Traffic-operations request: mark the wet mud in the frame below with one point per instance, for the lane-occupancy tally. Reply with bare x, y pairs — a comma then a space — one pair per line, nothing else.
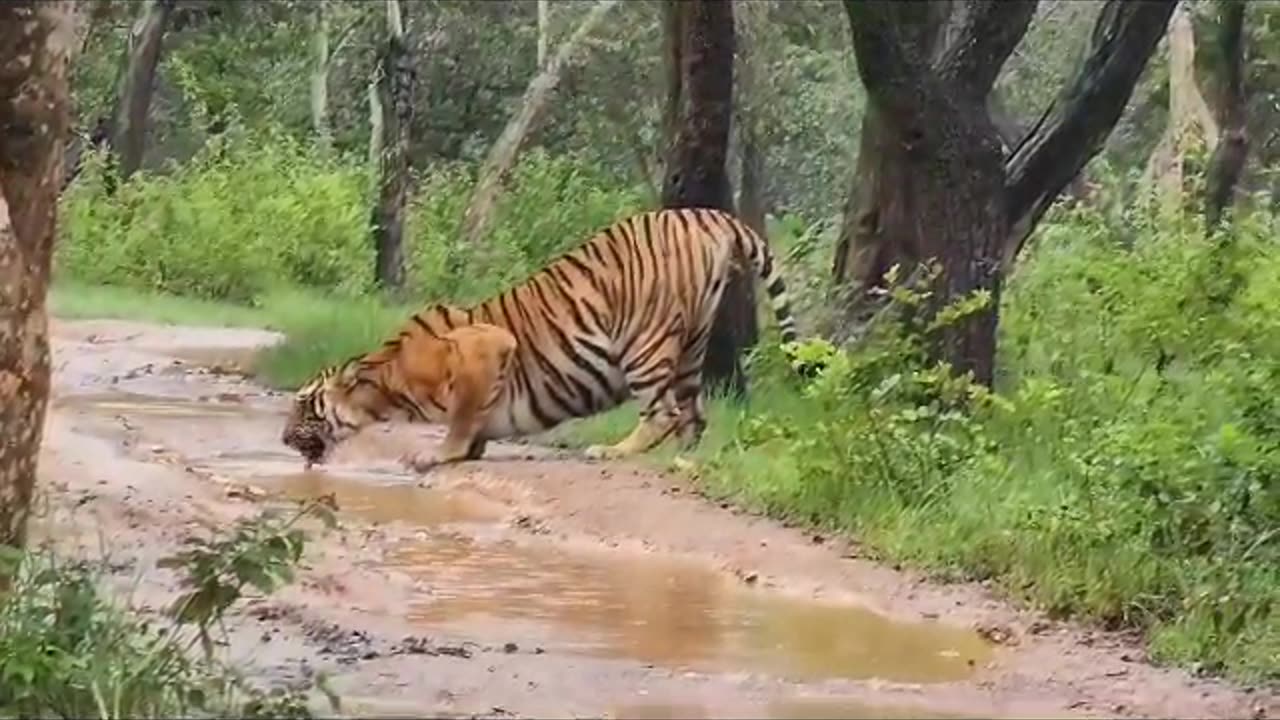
532, 584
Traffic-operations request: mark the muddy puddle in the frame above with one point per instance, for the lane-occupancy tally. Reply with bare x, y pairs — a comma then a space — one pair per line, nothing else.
479, 580
374, 495
660, 611
607, 603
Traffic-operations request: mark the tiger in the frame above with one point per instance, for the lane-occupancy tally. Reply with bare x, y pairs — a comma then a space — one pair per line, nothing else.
626, 314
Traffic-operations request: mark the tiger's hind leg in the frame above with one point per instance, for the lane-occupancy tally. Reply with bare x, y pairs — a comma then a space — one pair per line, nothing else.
688, 389
652, 381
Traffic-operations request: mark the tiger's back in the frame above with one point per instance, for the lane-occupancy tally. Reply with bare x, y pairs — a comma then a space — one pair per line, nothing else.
616, 316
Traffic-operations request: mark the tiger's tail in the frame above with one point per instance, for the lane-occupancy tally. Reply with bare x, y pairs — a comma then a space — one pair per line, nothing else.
756, 250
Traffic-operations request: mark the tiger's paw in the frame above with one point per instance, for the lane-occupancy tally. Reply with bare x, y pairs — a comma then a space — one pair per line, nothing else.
419, 463
602, 452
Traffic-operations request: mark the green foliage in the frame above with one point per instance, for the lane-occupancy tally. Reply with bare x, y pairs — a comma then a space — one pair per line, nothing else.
69, 650
259, 214
239, 220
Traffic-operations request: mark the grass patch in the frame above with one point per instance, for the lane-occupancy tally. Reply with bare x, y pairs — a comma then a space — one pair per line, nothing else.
318, 330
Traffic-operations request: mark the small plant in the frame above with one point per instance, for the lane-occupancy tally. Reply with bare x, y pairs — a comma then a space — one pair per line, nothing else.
68, 650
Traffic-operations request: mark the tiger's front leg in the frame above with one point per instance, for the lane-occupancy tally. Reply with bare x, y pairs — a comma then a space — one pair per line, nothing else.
477, 363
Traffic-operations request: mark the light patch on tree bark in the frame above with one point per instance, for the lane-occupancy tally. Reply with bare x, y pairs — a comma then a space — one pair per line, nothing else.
1190, 120
502, 156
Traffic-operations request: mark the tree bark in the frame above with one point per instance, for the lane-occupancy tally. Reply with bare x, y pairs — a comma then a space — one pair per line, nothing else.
129, 138
544, 30
395, 99
36, 42
697, 175
1228, 159
320, 76
502, 156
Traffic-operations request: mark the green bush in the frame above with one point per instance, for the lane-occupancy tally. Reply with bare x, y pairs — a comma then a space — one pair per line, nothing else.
259, 214
237, 221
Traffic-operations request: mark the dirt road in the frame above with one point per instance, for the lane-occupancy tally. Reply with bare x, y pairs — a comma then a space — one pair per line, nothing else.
531, 584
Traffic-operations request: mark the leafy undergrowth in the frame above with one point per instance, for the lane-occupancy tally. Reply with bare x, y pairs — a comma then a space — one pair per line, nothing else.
69, 649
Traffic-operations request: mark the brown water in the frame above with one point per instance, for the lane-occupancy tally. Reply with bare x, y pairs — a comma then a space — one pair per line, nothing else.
671, 613
377, 497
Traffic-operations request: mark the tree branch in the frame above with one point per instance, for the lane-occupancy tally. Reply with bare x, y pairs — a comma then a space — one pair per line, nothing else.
1071, 131
987, 33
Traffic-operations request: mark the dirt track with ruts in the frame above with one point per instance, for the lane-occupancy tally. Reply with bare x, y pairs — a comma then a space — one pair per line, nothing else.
533, 583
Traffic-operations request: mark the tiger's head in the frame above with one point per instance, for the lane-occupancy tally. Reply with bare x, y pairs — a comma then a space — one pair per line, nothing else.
328, 410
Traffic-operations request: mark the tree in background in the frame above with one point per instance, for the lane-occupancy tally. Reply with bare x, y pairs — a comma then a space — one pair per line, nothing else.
36, 44
133, 101
701, 97
1227, 163
395, 109
502, 155
934, 181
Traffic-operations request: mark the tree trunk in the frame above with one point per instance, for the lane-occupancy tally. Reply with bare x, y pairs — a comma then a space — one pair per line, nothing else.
933, 182
320, 77
134, 100
697, 175
36, 42
1228, 159
1190, 121
751, 18
395, 99
502, 156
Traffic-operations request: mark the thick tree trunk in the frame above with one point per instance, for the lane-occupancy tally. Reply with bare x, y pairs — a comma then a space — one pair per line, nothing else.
320, 76
1228, 159
697, 175
502, 156
36, 41
395, 99
134, 99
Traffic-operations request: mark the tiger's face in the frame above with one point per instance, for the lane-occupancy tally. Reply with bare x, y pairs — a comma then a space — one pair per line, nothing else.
323, 415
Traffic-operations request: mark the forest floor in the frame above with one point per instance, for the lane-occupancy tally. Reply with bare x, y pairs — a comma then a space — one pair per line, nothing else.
533, 583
